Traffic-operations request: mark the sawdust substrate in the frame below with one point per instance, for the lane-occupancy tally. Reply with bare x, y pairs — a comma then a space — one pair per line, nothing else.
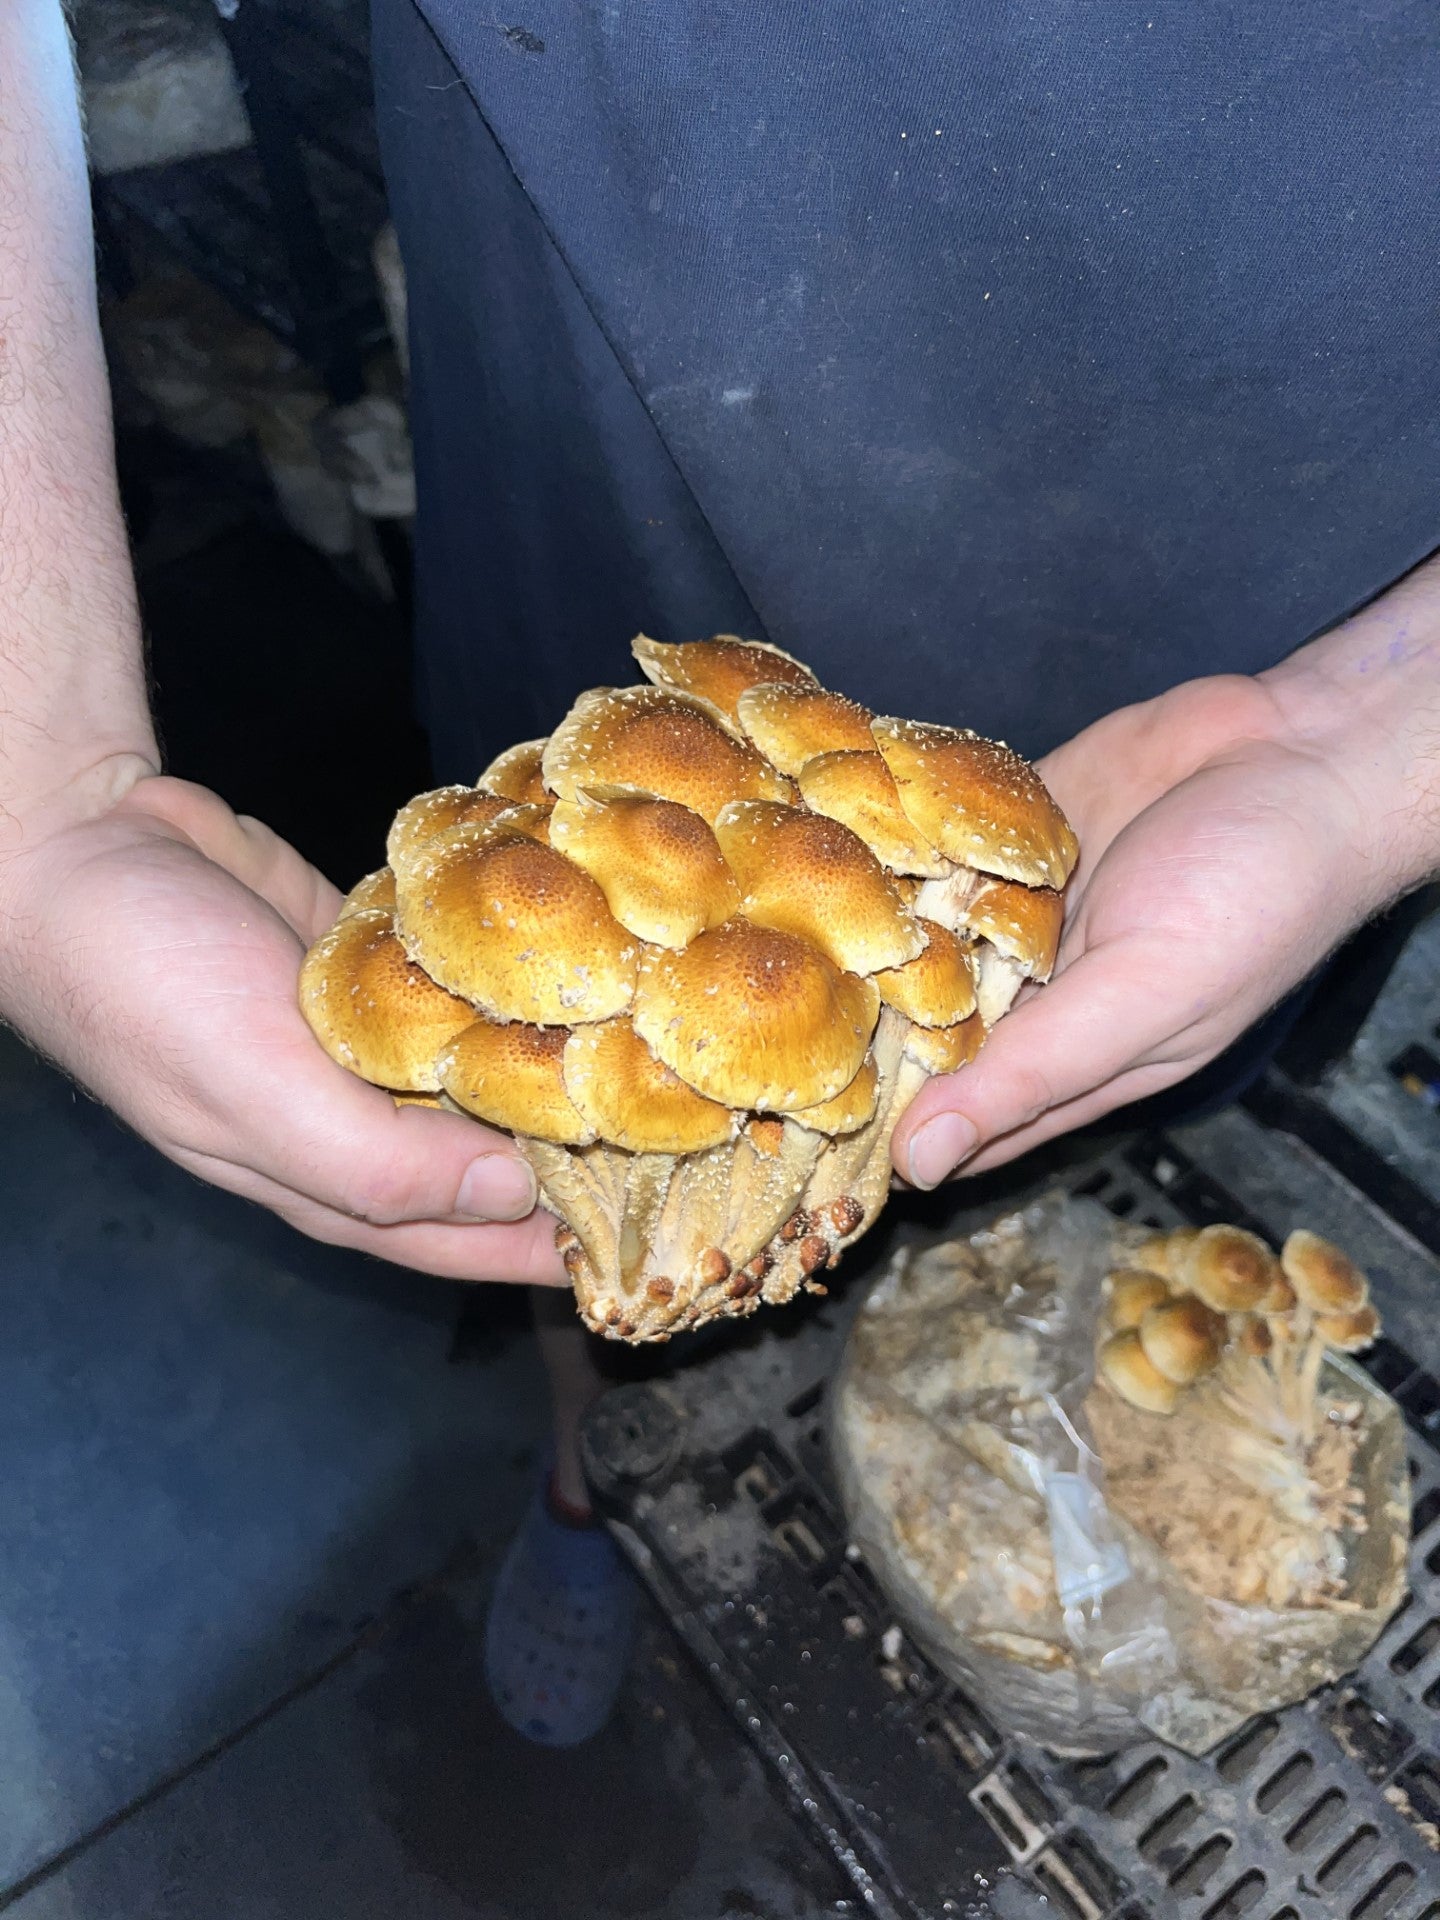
1212, 1528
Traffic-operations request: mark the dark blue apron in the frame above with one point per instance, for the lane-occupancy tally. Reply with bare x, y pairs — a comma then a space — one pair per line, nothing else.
1007, 361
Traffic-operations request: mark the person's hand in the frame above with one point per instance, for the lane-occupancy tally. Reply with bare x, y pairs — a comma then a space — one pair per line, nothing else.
1224, 853
153, 953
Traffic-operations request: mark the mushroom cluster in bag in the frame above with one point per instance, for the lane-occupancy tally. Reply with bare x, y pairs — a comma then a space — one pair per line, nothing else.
698, 951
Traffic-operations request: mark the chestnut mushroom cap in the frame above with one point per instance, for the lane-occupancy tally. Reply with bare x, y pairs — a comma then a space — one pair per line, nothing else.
650, 740
1021, 923
658, 864
513, 1076
718, 671
803, 874
1349, 1332
945, 1049
1324, 1278
375, 890
859, 791
1125, 1368
852, 1107
629, 1097
1129, 1295
1163, 1252
516, 928
1182, 1339
430, 816
755, 1018
937, 987
977, 802
515, 774
372, 1009
792, 725
1230, 1269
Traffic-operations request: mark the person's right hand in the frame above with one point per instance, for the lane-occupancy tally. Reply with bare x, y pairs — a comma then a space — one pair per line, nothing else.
154, 952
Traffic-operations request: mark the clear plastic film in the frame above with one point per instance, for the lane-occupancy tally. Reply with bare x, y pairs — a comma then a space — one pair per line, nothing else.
974, 1485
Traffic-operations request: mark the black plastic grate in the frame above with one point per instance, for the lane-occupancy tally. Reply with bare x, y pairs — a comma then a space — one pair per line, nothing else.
1330, 1808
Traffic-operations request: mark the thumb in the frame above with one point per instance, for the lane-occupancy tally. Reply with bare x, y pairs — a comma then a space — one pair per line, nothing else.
1084, 1031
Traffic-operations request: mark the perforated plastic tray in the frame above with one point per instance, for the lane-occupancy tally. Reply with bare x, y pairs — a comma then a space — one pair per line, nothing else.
719, 1488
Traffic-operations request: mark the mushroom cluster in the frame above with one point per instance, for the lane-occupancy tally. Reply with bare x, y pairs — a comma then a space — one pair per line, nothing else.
698, 950
1195, 1300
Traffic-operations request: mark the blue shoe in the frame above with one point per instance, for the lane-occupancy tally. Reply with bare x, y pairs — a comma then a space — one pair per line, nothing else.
560, 1629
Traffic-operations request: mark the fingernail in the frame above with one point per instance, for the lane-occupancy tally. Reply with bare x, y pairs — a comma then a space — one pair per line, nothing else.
497, 1186
939, 1147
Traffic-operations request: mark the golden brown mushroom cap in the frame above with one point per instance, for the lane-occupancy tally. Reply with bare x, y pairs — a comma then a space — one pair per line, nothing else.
977, 802
852, 1107
793, 724
1023, 923
945, 1049
658, 864
1231, 1270
1130, 1294
1123, 1366
755, 1018
1324, 1278
431, 815
806, 875
513, 1076
516, 928
1163, 1253
1350, 1332
652, 741
376, 890
515, 774
859, 791
937, 987
372, 1010
1182, 1338
629, 1097
718, 670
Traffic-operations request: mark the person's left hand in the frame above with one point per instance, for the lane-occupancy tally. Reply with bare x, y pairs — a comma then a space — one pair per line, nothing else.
1223, 856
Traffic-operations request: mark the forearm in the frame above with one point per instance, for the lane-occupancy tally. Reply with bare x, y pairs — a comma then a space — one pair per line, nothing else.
1365, 698
74, 727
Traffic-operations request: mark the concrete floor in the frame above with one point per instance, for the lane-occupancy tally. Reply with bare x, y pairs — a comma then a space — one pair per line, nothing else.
250, 1508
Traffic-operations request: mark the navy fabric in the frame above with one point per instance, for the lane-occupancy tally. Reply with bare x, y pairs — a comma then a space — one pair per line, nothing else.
1007, 362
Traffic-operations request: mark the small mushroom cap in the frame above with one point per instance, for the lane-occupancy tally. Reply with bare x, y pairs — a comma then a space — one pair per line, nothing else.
852, 1107
373, 1010
515, 774
718, 670
514, 927
945, 1049
755, 1017
513, 1076
1231, 1270
1254, 1337
793, 724
630, 1098
417, 1099
978, 802
1130, 1294
1280, 1298
801, 873
431, 815
859, 791
1163, 1253
1022, 923
669, 745
937, 987
1349, 1332
1182, 1339
1125, 1369
1324, 1278
658, 864
376, 890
